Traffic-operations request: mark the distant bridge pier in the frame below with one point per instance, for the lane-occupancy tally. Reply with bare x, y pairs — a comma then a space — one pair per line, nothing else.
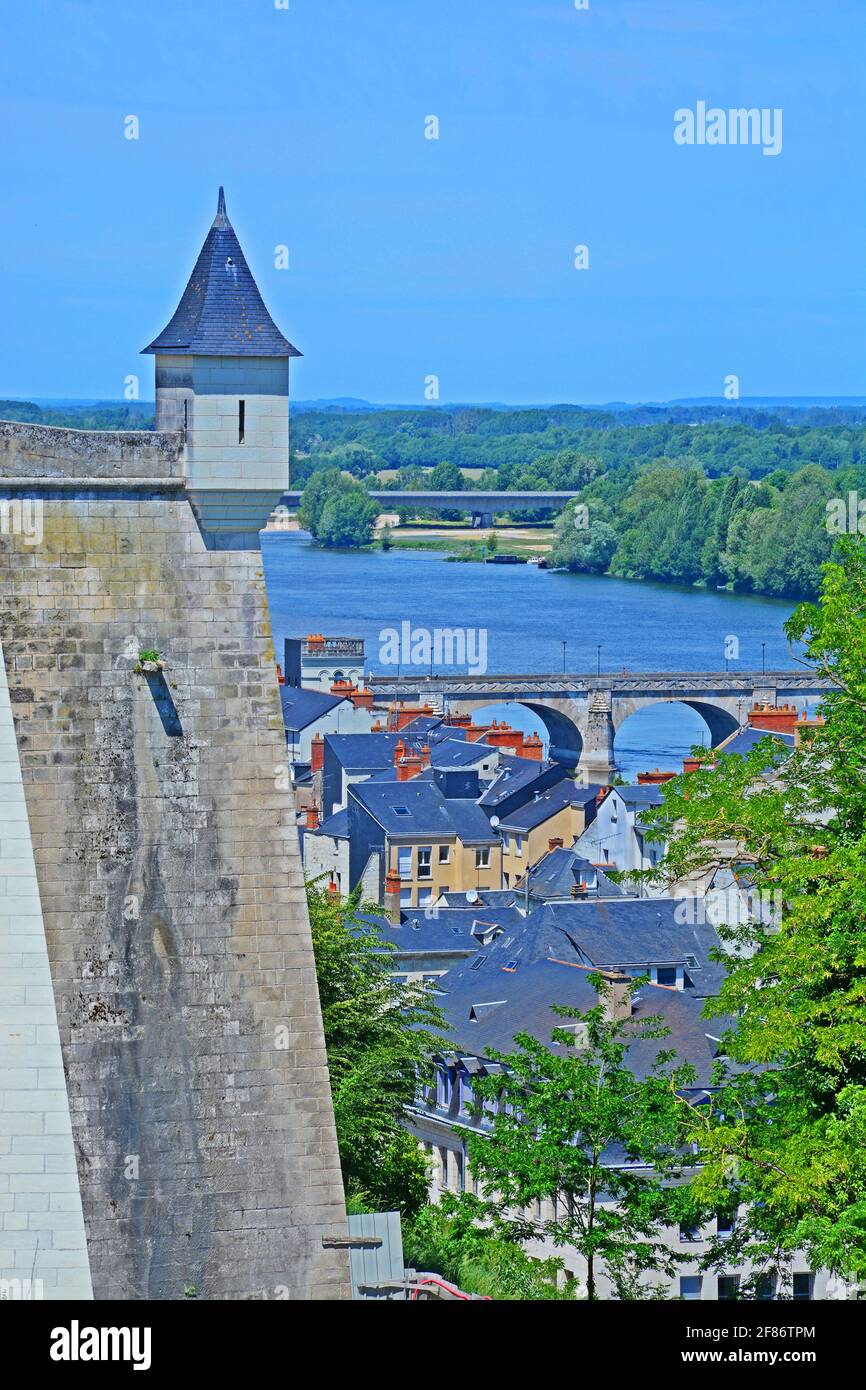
597, 763
482, 520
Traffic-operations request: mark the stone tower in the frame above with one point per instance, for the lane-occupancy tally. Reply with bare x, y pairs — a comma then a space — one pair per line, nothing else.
166, 1123
222, 378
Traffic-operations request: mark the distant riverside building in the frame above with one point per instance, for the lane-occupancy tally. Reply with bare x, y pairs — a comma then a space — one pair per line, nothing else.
222, 379
318, 661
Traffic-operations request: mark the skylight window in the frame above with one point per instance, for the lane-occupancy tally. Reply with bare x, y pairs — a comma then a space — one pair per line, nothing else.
692, 963
401, 810
478, 962
511, 965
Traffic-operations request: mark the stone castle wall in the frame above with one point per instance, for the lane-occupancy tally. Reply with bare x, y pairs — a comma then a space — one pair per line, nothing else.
170, 884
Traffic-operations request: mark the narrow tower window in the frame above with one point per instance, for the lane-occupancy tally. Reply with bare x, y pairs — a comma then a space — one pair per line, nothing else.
241, 414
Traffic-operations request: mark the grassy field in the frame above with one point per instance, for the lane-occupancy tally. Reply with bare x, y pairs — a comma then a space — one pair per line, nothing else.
458, 539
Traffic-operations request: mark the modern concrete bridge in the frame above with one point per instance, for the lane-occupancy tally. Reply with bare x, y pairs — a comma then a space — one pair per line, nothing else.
582, 713
481, 505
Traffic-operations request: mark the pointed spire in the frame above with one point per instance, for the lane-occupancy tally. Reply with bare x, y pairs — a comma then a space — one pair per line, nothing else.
221, 313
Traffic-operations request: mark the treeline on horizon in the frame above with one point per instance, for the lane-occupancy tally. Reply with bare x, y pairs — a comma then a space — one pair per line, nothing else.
521, 447
99, 415
722, 496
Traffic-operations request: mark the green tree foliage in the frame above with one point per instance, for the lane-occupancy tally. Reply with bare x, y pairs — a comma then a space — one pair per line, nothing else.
378, 1042
693, 495
337, 510
582, 550
451, 1239
566, 1110
785, 1135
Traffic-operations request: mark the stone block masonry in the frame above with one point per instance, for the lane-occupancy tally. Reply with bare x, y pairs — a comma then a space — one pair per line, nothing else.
43, 1251
172, 897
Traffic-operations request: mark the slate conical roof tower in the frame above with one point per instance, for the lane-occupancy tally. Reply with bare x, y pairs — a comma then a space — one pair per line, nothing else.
222, 378
221, 312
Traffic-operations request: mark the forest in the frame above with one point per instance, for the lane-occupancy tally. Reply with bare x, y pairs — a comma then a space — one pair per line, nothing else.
723, 496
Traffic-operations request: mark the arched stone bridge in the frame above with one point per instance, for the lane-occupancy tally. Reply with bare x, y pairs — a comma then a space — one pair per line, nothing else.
583, 712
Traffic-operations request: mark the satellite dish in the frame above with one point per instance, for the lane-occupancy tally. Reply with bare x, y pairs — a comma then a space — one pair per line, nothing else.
472, 896
494, 822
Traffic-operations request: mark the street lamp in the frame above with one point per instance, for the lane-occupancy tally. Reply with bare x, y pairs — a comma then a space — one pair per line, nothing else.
598, 660
763, 658
564, 645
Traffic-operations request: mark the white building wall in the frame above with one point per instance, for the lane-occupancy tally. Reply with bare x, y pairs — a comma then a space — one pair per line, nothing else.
43, 1248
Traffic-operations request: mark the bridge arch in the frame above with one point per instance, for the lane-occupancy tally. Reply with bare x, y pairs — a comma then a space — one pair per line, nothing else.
564, 735
566, 740
721, 718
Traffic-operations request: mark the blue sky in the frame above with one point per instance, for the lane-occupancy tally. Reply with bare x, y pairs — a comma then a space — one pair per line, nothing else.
452, 257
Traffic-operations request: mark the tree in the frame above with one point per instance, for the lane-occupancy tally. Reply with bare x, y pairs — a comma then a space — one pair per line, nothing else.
449, 1238
783, 1140
583, 551
337, 510
348, 519
562, 1113
378, 1041
446, 477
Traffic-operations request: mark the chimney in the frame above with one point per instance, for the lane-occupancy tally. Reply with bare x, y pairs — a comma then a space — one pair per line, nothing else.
773, 719
409, 766
362, 698
532, 748
317, 753
555, 843
312, 818
690, 765
654, 778
425, 756
503, 736
392, 897
399, 752
616, 995
343, 687
281, 680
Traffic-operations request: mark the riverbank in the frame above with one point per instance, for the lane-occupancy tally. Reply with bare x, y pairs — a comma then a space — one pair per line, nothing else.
473, 544
535, 621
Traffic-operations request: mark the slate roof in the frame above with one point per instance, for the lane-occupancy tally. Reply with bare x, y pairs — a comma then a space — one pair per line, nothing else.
452, 753
484, 1012
447, 929
515, 774
484, 898
556, 874
221, 313
336, 825
302, 707
637, 797
638, 932
745, 739
428, 811
548, 803
363, 752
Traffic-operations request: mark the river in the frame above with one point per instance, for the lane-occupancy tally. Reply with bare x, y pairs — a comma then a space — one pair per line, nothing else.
527, 614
